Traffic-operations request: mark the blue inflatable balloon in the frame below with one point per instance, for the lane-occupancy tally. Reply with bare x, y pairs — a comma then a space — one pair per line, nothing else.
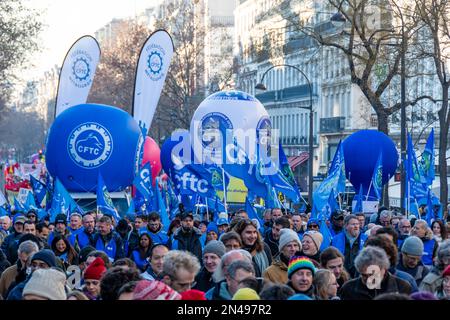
361, 151
181, 140
89, 138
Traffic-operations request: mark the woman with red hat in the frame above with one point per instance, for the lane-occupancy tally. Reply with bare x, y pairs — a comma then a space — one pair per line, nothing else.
92, 276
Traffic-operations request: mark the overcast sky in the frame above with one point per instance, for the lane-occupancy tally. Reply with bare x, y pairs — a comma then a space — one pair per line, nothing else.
67, 20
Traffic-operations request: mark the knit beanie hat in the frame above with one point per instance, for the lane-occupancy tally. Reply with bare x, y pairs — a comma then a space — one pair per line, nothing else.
299, 296
193, 295
216, 247
61, 218
82, 257
413, 246
154, 290
45, 255
246, 294
316, 237
446, 271
286, 236
47, 283
95, 270
297, 263
423, 295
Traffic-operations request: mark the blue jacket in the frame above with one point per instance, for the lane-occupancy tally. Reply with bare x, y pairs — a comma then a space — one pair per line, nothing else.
82, 239
112, 245
140, 263
429, 247
159, 237
339, 241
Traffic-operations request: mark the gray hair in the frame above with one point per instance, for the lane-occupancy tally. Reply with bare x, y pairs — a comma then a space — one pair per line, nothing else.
443, 253
371, 256
240, 264
219, 273
386, 214
28, 247
174, 260
348, 218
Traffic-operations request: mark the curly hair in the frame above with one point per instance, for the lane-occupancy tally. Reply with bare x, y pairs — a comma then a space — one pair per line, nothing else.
113, 280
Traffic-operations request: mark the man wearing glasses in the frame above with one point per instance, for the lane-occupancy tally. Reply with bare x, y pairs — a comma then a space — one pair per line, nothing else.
411, 259
350, 242
404, 229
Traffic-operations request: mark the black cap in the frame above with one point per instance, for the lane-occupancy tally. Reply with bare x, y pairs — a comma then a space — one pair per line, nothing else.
61, 218
337, 214
184, 215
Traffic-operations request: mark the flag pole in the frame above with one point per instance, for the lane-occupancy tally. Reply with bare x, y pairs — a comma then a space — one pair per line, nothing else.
207, 211
224, 191
370, 185
348, 194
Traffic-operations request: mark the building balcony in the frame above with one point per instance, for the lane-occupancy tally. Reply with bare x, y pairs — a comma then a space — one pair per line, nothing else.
332, 125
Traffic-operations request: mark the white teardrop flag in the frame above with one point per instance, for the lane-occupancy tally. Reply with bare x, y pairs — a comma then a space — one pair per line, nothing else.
77, 73
153, 65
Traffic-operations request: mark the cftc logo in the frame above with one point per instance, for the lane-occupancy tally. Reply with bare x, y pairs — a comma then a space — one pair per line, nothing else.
81, 69
187, 181
90, 145
155, 62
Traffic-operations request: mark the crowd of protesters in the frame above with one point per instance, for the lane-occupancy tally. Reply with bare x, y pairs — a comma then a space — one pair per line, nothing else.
379, 256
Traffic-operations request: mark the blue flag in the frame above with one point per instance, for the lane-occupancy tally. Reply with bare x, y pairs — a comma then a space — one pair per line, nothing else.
252, 214
427, 161
3, 212
29, 202
323, 229
39, 189
243, 169
104, 202
416, 180
359, 201
18, 205
162, 207
377, 177
131, 209
430, 212
143, 181
62, 202
287, 172
335, 180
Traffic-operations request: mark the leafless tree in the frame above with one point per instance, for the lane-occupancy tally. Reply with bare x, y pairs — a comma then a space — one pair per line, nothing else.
435, 14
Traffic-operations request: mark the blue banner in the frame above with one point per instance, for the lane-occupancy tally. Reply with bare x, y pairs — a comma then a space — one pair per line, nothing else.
334, 181
39, 189
62, 202
377, 177
104, 202
143, 182
427, 161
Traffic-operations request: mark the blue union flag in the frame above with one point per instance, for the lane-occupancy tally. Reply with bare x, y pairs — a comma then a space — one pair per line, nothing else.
377, 177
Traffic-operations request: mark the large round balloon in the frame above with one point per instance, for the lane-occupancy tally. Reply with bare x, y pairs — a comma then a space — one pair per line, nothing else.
176, 147
152, 155
232, 112
361, 152
91, 138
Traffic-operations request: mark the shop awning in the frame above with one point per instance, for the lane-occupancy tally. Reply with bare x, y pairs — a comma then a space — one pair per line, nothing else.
298, 160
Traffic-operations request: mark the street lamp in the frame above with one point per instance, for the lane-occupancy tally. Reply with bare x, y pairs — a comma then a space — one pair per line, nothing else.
261, 86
